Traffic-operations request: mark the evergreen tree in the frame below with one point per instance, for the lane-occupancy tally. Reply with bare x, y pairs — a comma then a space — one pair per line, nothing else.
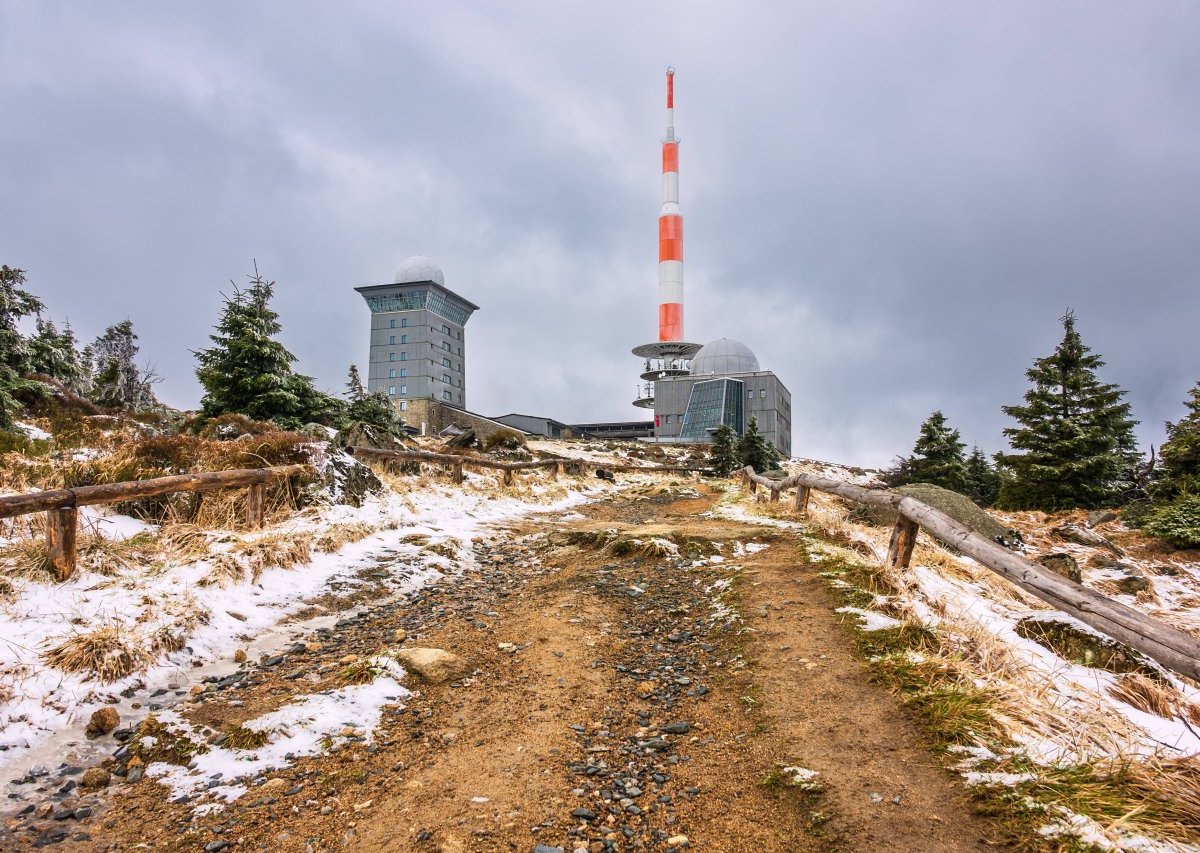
55, 354
15, 303
1075, 432
118, 382
370, 409
938, 456
1179, 467
753, 449
721, 455
354, 386
249, 372
983, 483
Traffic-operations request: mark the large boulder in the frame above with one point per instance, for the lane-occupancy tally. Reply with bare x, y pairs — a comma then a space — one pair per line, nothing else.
341, 479
435, 666
1074, 641
959, 507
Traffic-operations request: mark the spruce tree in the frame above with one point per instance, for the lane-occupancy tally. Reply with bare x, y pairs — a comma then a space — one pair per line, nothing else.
753, 449
938, 456
55, 354
249, 372
1075, 435
983, 483
15, 303
1179, 456
373, 410
721, 456
118, 382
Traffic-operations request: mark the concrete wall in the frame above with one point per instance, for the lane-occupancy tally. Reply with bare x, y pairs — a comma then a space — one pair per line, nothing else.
435, 416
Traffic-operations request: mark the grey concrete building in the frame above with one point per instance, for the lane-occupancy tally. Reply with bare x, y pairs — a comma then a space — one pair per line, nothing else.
418, 346
724, 385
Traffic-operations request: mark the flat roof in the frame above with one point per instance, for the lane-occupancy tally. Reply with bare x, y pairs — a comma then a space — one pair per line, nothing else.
371, 289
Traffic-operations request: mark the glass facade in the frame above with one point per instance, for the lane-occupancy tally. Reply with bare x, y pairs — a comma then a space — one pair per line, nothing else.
712, 403
418, 299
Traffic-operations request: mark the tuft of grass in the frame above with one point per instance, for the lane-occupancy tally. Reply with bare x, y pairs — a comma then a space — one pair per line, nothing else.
1154, 697
359, 672
340, 535
105, 654
224, 570
164, 641
240, 737
183, 542
276, 551
26, 559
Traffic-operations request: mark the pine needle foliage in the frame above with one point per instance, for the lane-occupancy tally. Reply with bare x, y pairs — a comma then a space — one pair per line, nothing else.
937, 456
722, 456
248, 371
753, 450
1179, 471
1075, 444
983, 483
15, 302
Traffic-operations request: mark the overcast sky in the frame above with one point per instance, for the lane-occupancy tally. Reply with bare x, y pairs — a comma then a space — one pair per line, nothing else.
891, 203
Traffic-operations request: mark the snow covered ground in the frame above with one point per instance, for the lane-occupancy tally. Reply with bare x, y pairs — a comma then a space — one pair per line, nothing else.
413, 533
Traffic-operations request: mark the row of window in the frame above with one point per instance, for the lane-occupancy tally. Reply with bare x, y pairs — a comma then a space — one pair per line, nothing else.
404, 325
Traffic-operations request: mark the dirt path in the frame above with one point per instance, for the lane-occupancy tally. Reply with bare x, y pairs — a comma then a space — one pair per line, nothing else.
617, 703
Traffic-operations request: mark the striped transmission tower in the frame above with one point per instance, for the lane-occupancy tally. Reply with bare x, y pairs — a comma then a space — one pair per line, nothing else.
669, 355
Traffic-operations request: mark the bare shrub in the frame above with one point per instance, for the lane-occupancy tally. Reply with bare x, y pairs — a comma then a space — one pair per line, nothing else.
106, 654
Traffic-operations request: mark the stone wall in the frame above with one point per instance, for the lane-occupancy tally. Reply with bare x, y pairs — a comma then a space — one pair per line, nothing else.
433, 416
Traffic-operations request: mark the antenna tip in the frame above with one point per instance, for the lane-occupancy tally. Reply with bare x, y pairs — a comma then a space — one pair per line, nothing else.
670, 71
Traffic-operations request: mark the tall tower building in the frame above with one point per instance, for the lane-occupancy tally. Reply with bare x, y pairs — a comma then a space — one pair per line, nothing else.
669, 355
418, 346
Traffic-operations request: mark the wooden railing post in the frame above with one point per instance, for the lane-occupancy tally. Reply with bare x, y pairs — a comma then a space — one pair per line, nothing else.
803, 493
508, 477
60, 541
904, 539
774, 494
457, 472
255, 503
559, 470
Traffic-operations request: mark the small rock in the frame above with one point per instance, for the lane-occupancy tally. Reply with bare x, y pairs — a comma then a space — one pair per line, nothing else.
677, 841
400, 635
1062, 564
94, 779
363, 806
274, 784
680, 728
1100, 516
236, 615
103, 721
239, 656
433, 665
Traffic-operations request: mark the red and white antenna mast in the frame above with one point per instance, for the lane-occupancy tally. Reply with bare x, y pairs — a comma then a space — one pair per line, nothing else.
669, 356
670, 231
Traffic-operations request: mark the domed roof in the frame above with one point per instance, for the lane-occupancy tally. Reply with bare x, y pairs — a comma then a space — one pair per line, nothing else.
419, 268
722, 356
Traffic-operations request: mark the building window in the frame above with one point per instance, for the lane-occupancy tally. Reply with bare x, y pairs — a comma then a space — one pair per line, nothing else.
460, 336
460, 383
460, 352
403, 390
393, 340
762, 393
392, 373
391, 390
445, 362
403, 372
404, 339
460, 367
445, 330
446, 378
446, 346
392, 324
404, 405
391, 356
403, 322
404, 356
446, 395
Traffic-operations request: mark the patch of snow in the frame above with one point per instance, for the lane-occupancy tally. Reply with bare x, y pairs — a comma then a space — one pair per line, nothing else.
33, 432
869, 620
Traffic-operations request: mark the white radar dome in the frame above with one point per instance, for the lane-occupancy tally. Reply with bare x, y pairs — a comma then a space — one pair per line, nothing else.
419, 268
722, 356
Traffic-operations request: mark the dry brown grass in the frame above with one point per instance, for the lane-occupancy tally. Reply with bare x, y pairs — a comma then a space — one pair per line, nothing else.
224, 570
26, 559
1154, 697
182, 542
240, 737
106, 654
165, 640
276, 551
340, 535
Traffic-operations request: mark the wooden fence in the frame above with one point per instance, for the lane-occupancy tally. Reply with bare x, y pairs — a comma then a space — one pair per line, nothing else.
62, 514
456, 463
1174, 649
